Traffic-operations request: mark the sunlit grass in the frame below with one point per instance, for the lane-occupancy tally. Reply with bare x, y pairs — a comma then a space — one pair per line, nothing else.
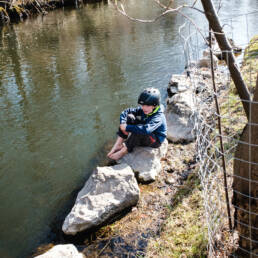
184, 233
249, 67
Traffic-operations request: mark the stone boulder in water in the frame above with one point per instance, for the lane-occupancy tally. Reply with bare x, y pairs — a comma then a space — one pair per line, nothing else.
109, 190
145, 161
62, 251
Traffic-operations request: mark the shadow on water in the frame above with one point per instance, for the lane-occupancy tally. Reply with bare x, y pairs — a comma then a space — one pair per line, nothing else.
56, 235
106, 245
113, 245
64, 78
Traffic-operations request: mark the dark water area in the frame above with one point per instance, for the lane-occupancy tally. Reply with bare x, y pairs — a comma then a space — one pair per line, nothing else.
64, 79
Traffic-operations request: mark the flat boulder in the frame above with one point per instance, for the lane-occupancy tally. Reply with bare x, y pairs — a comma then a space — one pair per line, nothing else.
145, 161
108, 191
62, 251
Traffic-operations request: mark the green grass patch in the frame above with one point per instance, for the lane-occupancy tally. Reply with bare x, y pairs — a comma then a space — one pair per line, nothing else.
251, 51
234, 118
249, 67
184, 232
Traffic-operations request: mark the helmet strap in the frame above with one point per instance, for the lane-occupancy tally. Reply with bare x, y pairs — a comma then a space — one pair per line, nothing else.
154, 111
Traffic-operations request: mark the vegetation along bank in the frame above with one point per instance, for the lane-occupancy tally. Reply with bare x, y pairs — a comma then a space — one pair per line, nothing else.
14, 11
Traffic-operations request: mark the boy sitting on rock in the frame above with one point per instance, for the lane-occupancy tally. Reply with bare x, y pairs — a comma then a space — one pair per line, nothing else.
146, 124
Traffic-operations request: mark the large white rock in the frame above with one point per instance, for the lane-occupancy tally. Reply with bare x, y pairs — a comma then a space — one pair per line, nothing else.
178, 83
62, 251
181, 110
180, 117
108, 190
145, 161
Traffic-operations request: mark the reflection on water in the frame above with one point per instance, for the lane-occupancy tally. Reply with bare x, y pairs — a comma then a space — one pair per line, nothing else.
64, 79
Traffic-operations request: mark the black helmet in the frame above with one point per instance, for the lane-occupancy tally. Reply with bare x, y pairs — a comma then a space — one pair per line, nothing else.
150, 97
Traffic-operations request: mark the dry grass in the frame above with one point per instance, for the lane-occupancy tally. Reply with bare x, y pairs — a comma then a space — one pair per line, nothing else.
249, 67
18, 10
184, 233
162, 207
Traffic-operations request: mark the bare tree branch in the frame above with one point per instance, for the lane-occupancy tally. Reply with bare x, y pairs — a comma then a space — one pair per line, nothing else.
194, 3
170, 3
167, 11
162, 5
122, 11
195, 25
220, 5
166, 7
195, 7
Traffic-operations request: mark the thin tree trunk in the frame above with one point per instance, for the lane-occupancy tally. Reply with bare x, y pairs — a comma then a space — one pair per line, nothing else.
227, 53
245, 184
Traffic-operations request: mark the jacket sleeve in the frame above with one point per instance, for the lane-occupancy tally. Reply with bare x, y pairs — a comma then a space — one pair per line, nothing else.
148, 128
134, 111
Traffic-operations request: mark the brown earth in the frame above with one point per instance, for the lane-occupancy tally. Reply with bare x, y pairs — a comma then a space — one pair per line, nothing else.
128, 236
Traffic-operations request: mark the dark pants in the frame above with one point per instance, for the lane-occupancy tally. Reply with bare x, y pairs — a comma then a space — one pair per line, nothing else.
138, 139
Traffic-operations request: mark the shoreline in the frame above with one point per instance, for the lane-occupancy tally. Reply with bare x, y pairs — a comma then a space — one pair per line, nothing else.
135, 227
16, 12
132, 230
143, 230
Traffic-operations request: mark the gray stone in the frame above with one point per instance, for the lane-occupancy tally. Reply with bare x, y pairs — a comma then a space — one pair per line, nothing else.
178, 83
180, 113
145, 161
206, 62
109, 190
206, 74
170, 180
62, 251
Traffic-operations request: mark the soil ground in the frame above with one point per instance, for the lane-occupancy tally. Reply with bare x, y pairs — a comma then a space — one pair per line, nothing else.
130, 234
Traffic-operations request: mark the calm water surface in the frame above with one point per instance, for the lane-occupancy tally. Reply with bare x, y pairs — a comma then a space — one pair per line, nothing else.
64, 80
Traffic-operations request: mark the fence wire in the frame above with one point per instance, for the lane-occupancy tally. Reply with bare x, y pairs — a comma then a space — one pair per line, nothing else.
229, 195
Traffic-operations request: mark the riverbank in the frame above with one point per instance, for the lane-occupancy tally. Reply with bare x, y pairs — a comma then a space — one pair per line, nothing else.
169, 219
15, 11
180, 223
65, 76
135, 233
53, 133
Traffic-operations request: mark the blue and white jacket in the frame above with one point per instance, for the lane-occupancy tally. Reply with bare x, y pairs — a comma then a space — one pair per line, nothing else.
151, 124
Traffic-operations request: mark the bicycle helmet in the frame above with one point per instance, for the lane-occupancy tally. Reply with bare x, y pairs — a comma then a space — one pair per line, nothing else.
150, 97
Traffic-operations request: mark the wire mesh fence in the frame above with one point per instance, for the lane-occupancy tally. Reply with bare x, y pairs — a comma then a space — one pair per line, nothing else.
226, 140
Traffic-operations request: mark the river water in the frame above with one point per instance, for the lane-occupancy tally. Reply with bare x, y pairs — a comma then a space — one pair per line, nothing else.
64, 79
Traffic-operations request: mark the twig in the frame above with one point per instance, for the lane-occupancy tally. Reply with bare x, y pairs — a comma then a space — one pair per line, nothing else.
176, 10
167, 7
220, 5
101, 251
191, 20
122, 11
194, 3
